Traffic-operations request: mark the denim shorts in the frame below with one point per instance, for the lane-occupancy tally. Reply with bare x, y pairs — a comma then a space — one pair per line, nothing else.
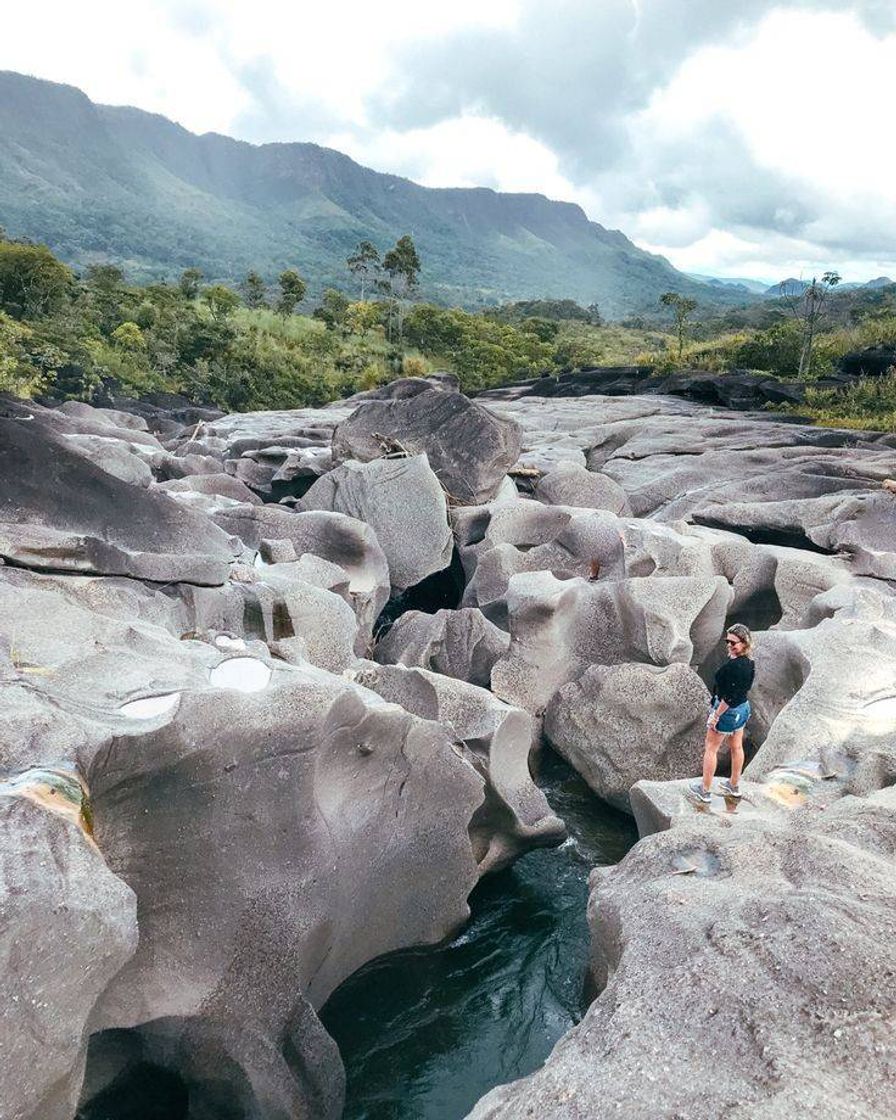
732, 719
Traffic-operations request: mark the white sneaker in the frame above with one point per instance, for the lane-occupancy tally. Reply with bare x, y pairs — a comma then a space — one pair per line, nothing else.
729, 790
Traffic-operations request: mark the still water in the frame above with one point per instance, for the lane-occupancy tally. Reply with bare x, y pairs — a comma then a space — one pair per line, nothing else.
425, 1034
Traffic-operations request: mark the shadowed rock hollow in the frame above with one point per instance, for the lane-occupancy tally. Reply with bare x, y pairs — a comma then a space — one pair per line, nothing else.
226, 788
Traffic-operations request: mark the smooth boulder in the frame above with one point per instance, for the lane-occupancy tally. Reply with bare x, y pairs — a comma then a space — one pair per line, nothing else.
619, 724
402, 502
469, 448
461, 644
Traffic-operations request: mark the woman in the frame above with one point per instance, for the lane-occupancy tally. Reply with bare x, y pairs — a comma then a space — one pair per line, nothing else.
729, 714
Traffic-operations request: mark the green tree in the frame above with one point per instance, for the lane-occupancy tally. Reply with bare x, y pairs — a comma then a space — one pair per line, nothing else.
544, 329
365, 264
109, 301
18, 375
255, 291
682, 308
360, 317
32, 282
129, 336
808, 306
292, 292
333, 308
402, 265
221, 302
190, 279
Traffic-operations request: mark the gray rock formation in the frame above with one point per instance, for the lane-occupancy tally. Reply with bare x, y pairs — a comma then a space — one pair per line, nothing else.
530, 537
342, 540
618, 724
402, 501
744, 970
462, 644
215, 485
468, 446
842, 710
238, 916
515, 814
558, 628
196, 658
68, 925
570, 485
58, 510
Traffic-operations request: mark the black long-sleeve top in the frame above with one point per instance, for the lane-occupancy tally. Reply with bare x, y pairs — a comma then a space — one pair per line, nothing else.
733, 681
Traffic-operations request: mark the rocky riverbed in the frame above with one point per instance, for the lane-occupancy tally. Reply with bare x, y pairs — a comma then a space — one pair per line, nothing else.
226, 784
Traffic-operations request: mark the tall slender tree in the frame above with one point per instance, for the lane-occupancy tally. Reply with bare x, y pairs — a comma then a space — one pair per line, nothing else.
254, 289
682, 308
402, 265
807, 304
292, 292
190, 279
365, 264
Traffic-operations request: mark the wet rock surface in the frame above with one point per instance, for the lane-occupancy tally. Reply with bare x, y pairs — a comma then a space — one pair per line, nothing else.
274, 686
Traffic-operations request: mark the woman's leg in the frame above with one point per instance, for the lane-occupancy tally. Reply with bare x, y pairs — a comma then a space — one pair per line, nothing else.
736, 745
710, 753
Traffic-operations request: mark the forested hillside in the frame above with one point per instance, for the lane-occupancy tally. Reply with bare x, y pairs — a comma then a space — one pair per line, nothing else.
101, 184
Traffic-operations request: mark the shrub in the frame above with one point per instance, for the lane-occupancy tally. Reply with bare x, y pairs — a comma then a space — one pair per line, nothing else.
17, 374
412, 365
869, 402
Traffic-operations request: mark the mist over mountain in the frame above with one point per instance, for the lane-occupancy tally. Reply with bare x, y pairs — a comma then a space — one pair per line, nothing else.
106, 183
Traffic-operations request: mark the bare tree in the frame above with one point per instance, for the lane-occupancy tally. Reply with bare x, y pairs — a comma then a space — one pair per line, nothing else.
807, 304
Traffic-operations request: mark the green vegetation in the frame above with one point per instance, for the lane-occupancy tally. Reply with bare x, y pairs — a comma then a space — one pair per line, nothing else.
869, 402
96, 335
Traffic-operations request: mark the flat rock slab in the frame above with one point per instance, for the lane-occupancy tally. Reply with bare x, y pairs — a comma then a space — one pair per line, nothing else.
58, 510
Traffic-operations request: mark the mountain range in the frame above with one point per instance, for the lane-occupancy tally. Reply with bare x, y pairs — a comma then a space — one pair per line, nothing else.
100, 183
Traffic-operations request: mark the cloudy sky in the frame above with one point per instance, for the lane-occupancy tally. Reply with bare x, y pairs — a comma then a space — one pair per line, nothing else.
737, 137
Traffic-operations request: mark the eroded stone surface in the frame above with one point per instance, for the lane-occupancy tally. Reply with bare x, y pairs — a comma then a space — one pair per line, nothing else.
279, 838
558, 628
500, 739
745, 972
68, 925
402, 501
461, 644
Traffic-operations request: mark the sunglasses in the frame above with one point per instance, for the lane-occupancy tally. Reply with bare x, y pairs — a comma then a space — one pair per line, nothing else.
732, 641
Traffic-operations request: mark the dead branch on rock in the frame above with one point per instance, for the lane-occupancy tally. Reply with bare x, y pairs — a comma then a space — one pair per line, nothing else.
392, 448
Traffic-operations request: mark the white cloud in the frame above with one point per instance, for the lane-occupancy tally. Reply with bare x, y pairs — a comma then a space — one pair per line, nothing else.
124, 56
804, 101
466, 151
195, 60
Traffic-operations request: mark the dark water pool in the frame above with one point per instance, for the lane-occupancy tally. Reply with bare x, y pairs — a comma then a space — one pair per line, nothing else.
425, 1034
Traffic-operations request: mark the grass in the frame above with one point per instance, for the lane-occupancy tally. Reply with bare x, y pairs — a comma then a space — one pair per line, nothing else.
869, 404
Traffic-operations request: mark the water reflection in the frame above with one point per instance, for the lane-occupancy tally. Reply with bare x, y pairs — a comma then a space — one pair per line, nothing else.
424, 1034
